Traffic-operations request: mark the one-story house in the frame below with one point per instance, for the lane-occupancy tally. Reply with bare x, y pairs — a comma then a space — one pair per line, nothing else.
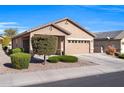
72, 38
113, 38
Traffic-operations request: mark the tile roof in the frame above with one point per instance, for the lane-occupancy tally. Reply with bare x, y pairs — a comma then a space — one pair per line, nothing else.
54, 24
111, 34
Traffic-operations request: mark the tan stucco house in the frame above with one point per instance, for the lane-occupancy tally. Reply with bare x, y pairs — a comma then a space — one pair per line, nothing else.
72, 38
114, 38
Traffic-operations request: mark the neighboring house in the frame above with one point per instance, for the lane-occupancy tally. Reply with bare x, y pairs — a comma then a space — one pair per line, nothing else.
72, 38
113, 38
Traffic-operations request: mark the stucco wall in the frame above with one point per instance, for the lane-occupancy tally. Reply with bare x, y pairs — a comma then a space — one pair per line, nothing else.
76, 48
18, 42
122, 45
76, 32
46, 31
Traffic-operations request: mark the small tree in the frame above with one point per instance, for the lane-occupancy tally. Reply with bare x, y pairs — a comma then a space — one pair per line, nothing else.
44, 45
110, 50
5, 42
10, 32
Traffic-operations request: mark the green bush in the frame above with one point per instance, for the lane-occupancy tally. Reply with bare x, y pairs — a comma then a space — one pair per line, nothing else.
121, 56
53, 59
20, 60
44, 45
68, 58
16, 50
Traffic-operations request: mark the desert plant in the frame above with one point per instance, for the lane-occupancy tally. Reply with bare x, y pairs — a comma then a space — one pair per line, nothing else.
121, 56
20, 60
16, 50
66, 58
44, 45
10, 32
110, 50
53, 59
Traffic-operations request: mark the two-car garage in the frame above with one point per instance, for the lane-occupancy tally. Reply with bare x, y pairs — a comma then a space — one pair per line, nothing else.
78, 46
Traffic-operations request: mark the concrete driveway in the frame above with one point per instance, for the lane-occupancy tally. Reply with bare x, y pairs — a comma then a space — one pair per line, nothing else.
104, 60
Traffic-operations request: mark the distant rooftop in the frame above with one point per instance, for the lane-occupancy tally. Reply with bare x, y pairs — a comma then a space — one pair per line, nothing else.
111, 34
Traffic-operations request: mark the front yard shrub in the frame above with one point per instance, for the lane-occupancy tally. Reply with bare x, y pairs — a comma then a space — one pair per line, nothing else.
121, 56
20, 60
53, 59
67, 58
110, 50
16, 50
44, 45
64, 58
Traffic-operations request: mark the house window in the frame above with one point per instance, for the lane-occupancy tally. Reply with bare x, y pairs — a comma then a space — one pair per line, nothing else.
87, 41
79, 41
72, 41
75, 41
69, 41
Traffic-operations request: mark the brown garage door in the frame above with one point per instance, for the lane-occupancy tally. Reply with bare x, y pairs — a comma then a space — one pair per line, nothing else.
78, 47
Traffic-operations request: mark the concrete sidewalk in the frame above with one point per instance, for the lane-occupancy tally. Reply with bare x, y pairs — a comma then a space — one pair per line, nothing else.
29, 78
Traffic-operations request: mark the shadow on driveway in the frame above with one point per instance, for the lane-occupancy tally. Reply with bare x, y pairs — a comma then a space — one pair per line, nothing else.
105, 80
36, 60
9, 65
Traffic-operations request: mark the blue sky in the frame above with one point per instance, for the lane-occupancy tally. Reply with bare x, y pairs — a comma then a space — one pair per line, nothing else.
93, 18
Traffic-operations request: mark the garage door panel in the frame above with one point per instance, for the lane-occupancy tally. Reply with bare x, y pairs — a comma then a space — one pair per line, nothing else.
78, 48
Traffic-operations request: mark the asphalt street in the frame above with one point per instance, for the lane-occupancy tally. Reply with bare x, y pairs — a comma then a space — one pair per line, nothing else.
105, 80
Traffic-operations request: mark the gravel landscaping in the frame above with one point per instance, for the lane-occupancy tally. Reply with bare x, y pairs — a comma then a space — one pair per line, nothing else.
38, 66
6, 67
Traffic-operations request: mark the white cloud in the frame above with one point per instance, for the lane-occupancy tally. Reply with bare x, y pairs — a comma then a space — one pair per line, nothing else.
8, 23
113, 9
5, 24
14, 25
1, 31
105, 8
